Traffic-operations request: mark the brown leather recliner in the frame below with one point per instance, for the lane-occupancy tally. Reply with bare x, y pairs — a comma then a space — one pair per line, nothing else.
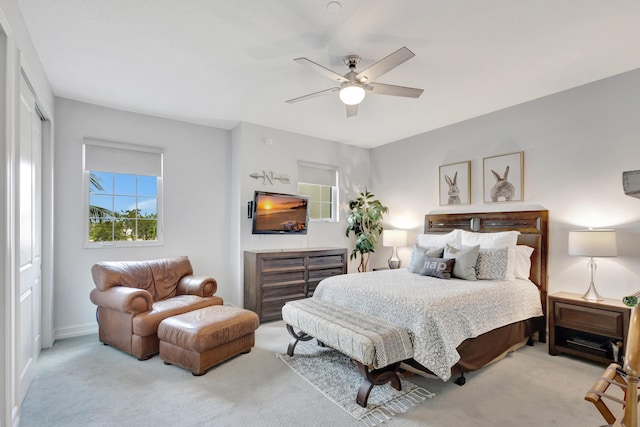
133, 297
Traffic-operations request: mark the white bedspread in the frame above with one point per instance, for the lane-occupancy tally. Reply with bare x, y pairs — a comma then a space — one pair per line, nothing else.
439, 314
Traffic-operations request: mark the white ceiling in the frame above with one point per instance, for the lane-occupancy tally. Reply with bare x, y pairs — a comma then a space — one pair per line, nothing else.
220, 62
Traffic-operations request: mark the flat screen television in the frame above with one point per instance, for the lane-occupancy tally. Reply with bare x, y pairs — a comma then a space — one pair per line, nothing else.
277, 213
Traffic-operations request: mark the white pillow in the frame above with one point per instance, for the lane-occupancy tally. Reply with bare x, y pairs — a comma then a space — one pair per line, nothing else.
490, 240
498, 239
433, 240
523, 261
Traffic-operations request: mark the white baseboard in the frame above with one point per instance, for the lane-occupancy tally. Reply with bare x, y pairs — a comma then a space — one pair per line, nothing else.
76, 331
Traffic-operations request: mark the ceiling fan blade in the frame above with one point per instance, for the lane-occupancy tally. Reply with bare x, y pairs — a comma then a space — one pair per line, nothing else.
322, 70
352, 110
386, 64
382, 89
313, 95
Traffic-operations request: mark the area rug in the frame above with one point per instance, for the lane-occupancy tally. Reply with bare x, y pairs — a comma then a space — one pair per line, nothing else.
337, 378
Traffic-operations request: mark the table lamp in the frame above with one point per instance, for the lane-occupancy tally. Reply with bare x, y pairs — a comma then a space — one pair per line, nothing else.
592, 243
394, 238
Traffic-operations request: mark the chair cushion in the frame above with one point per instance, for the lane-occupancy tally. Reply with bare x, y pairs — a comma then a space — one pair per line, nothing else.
146, 323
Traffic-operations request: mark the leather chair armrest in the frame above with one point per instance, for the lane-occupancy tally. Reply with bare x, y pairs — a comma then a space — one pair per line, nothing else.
121, 298
197, 285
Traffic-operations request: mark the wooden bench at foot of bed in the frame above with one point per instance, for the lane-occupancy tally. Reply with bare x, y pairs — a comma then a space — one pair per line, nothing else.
376, 346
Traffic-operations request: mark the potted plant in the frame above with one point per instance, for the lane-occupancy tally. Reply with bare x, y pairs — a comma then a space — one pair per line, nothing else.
365, 220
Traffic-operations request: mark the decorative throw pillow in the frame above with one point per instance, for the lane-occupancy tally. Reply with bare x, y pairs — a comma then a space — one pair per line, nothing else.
438, 267
418, 255
497, 239
492, 263
466, 258
523, 262
511, 263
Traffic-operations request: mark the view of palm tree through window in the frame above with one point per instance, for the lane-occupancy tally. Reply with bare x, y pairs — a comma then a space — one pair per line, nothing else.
122, 207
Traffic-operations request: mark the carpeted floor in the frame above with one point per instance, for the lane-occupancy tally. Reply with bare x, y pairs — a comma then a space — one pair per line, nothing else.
80, 382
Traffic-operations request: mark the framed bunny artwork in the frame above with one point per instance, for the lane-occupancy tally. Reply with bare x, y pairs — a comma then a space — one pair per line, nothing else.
503, 178
455, 184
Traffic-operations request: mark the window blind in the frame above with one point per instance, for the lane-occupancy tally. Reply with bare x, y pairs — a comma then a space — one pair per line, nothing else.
104, 156
316, 173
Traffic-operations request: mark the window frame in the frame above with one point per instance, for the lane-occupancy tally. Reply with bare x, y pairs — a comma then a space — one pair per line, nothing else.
335, 203
87, 195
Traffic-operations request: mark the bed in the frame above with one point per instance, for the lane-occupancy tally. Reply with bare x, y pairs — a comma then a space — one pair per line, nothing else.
473, 322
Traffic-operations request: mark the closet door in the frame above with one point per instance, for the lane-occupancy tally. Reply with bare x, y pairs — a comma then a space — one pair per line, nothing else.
29, 237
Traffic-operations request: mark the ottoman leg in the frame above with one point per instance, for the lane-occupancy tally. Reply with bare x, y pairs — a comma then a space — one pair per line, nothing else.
376, 377
295, 337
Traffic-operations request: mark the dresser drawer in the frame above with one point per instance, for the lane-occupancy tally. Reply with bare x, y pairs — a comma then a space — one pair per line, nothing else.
272, 310
593, 320
318, 275
281, 278
326, 261
271, 264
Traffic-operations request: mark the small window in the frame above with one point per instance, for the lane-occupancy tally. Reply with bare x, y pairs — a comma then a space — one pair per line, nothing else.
123, 207
123, 187
320, 184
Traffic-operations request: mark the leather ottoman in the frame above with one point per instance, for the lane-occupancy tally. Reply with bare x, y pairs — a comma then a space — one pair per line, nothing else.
202, 338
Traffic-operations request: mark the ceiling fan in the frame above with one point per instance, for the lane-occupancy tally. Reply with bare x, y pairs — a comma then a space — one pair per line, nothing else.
355, 85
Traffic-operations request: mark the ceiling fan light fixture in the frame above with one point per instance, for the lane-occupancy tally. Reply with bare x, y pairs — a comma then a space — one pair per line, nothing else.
352, 93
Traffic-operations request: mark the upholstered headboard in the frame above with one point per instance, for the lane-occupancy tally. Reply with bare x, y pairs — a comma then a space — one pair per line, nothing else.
534, 229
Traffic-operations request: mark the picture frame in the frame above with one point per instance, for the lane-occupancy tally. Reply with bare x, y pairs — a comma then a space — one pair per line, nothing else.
455, 184
503, 178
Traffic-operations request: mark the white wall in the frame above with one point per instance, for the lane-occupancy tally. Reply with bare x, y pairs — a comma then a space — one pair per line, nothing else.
206, 190
196, 202
281, 156
576, 145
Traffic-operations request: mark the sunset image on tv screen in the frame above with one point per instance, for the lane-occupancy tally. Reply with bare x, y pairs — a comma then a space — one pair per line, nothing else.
280, 213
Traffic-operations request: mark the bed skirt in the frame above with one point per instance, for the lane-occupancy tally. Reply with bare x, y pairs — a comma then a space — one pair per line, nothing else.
487, 348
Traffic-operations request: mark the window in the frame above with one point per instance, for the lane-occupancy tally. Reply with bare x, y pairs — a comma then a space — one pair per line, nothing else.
123, 189
320, 183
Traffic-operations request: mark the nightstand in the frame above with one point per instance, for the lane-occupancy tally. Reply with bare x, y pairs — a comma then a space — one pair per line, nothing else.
587, 329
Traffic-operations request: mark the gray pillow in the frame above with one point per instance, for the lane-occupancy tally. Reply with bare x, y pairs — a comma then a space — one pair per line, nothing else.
418, 255
438, 267
492, 263
466, 258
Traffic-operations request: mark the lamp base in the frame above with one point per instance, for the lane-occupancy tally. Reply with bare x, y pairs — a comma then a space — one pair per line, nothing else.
592, 294
394, 261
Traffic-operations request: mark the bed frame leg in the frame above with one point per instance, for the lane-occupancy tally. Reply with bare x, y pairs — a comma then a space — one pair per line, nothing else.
295, 337
461, 380
530, 342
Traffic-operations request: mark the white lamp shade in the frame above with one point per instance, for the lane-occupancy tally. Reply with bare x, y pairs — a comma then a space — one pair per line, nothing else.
394, 238
352, 93
593, 243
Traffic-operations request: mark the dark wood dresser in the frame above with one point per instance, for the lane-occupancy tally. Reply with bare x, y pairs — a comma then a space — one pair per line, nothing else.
273, 277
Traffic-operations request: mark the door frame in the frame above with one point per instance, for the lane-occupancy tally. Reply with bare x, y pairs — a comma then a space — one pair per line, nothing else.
12, 66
